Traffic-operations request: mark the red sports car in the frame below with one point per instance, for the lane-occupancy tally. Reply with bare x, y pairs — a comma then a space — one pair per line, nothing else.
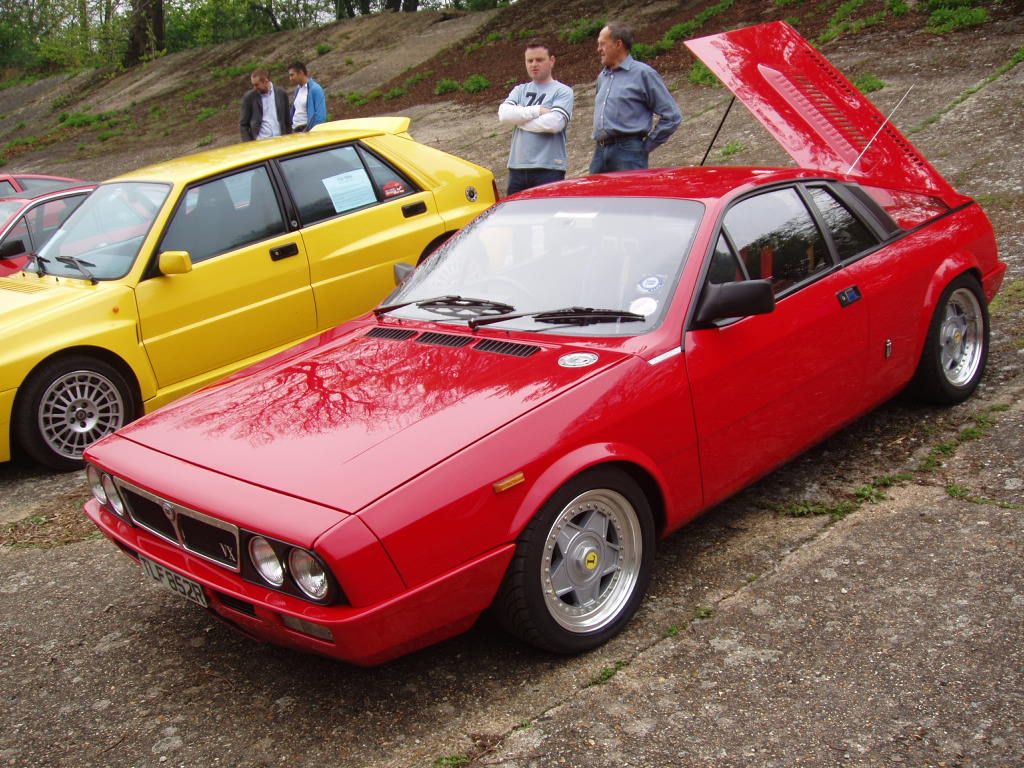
32, 184
581, 371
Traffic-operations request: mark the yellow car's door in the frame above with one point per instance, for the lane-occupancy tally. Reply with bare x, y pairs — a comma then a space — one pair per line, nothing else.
360, 216
248, 289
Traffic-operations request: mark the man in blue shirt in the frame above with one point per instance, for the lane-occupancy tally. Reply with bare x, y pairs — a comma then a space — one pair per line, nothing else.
309, 104
630, 95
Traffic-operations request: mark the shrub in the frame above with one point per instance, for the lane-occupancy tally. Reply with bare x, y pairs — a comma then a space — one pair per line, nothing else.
109, 134
935, 5
206, 141
349, 62
447, 85
193, 95
237, 70
950, 19
495, 37
206, 113
323, 49
526, 34
395, 93
868, 83
413, 80
475, 84
582, 30
356, 99
701, 75
898, 7
78, 119
646, 52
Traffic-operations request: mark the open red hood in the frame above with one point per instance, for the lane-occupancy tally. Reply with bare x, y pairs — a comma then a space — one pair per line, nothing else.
816, 114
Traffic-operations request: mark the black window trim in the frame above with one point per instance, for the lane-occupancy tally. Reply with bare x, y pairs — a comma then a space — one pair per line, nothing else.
152, 269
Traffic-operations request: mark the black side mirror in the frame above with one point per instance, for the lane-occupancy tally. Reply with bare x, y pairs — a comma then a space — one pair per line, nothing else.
724, 300
11, 249
403, 271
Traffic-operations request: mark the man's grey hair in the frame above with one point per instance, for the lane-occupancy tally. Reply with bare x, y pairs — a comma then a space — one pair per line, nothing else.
621, 32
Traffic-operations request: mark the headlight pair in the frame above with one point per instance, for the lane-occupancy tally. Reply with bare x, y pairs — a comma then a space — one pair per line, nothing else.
105, 491
276, 563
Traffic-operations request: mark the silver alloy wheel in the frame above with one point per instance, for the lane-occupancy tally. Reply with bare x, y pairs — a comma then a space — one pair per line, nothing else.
77, 409
591, 561
961, 337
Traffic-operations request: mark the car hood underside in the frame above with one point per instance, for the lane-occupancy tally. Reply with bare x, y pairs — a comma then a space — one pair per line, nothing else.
350, 417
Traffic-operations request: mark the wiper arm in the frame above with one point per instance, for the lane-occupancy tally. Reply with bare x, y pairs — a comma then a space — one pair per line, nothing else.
568, 315
38, 262
78, 264
452, 305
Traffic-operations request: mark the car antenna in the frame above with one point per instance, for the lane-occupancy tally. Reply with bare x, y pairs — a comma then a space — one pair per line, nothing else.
884, 123
731, 102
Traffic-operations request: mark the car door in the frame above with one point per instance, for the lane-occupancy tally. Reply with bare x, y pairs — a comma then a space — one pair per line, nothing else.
767, 386
247, 292
360, 215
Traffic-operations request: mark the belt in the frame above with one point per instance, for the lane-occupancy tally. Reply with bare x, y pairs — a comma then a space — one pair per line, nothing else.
615, 138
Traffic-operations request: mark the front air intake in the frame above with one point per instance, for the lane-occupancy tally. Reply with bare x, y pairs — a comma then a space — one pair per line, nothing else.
393, 334
506, 348
444, 340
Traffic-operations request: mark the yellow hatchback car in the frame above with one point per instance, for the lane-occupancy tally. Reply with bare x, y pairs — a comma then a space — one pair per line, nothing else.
175, 275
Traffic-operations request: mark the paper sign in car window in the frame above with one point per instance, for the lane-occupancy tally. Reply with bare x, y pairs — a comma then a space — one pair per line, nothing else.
351, 189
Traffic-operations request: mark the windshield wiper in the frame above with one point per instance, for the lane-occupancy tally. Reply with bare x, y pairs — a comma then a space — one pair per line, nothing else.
80, 265
451, 305
568, 315
38, 262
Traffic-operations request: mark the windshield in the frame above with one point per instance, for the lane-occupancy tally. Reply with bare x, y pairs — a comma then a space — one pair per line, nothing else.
8, 208
608, 253
106, 231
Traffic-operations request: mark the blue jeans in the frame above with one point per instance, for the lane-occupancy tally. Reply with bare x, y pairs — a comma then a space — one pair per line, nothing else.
525, 178
627, 155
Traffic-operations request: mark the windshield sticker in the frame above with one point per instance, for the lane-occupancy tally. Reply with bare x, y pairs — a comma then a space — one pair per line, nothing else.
645, 306
651, 283
349, 190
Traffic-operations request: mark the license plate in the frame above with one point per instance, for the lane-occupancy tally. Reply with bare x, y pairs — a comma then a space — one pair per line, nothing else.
190, 590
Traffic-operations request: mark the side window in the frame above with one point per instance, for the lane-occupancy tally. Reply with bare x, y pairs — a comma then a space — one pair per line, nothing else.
227, 213
849, 234
38, 186
777, 238
43, 220
6, 188
725, 267
328, 183
389, 181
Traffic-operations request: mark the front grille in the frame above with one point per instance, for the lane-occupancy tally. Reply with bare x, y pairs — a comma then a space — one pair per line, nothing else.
444, 340
506, 348
200, 534
394, 334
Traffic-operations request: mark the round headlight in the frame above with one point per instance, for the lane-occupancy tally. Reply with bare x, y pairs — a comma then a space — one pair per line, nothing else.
309, 575
113, 497
95, 478
266, 561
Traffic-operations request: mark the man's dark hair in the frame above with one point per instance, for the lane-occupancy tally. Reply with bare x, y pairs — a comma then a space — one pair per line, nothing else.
621, 32
298, 66
540, 44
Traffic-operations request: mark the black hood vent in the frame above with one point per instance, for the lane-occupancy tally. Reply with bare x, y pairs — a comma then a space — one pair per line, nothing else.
444, 340
506, 348
394, 334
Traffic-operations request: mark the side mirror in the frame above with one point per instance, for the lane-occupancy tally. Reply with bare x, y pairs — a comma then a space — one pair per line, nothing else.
403, 272
723, 300
175, 263
11, 249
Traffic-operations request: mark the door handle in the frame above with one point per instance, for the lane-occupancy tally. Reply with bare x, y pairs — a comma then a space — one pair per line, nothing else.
848, 296
414, 209
284, 251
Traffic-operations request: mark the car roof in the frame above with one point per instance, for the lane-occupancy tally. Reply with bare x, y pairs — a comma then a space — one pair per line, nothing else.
26, 197
702, 183
213, 161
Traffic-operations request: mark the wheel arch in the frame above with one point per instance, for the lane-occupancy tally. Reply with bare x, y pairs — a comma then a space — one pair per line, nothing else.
639, 467
946, 274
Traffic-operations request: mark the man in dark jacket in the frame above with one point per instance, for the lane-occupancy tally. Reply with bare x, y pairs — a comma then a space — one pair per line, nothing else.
264, 109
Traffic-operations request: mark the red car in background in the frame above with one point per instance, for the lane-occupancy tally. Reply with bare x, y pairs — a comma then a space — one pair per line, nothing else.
32, 184
584, 369
27, 221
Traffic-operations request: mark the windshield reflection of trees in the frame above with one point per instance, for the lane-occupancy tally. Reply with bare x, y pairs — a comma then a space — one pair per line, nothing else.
368, 385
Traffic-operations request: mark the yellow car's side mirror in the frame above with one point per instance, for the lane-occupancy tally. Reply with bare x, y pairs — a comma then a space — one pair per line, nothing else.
175, 262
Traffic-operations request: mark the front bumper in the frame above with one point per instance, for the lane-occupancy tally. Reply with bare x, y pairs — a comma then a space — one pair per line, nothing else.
364, 635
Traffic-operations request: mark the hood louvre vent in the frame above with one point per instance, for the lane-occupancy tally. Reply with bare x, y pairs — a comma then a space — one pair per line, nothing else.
13, 285
444, 340
394, 334
506, 348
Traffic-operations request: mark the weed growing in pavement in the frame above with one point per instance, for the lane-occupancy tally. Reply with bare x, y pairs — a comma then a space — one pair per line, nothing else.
607, 673
957, 491
869, 494
673, 631
451, 761
732, 148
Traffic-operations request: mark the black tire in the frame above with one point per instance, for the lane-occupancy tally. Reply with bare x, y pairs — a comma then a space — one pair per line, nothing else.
956, 348
606, 585
67, 404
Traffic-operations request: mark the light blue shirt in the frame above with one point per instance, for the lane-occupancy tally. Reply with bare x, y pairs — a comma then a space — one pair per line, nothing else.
628, 98
541, 150
270, 125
